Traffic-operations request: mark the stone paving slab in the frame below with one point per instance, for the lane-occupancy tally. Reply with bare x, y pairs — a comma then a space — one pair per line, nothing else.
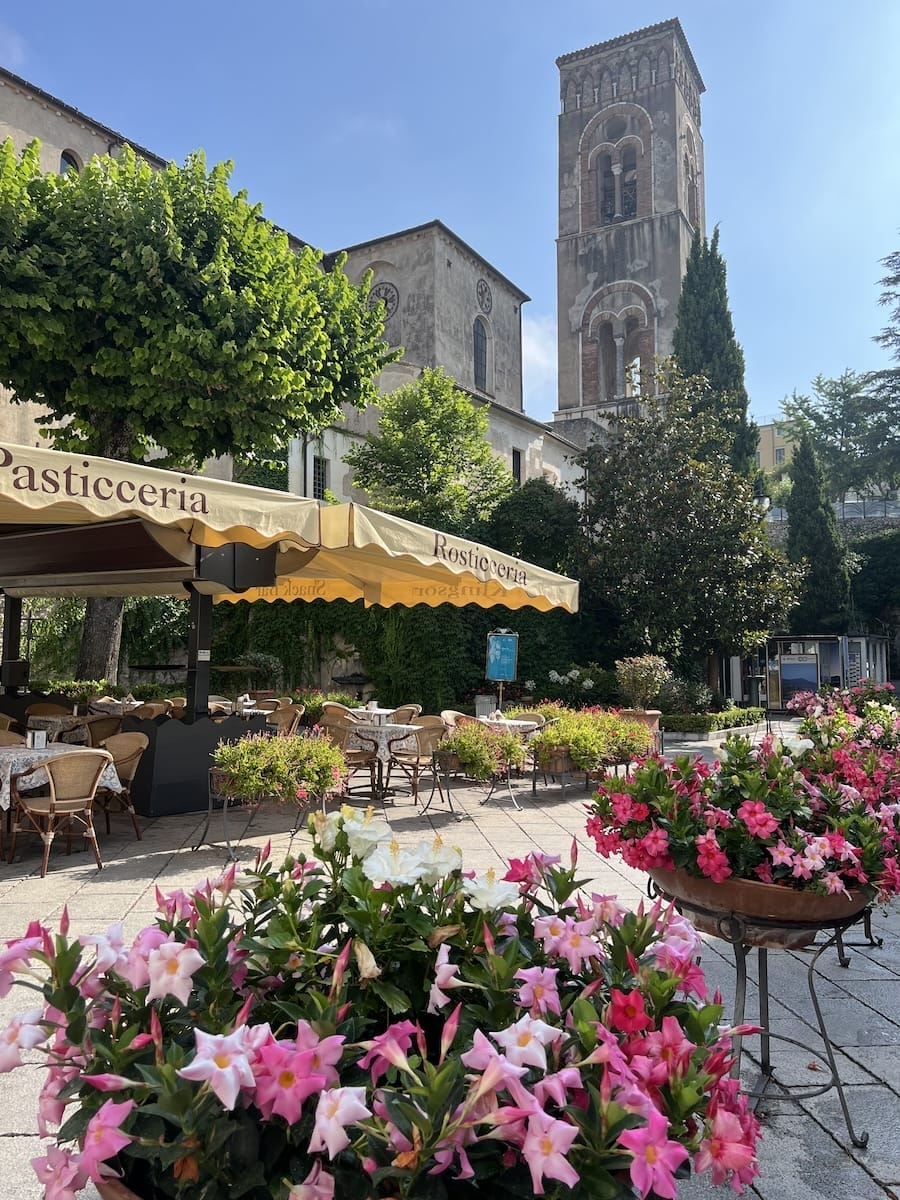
805, 1151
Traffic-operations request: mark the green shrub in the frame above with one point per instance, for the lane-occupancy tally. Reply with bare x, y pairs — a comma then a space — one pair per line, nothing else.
294, 769
313, 700
684, 696
594, 739
641, 677
483, 752
79, 689
708, 722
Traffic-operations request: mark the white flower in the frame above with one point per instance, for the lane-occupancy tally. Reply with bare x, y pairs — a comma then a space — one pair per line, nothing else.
555, 678
797, 747
364, 830
326, 829
437, 860
574, 674
587, 683
529, 685
487, 892
389, 863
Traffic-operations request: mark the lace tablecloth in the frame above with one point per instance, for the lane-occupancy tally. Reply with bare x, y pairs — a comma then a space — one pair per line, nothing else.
57, 724
382, 735
509, 725
14, 759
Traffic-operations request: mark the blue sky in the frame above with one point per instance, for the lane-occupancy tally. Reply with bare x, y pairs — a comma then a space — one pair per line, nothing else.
353, 119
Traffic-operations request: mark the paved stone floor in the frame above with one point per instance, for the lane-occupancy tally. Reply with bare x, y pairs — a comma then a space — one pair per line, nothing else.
806, 1151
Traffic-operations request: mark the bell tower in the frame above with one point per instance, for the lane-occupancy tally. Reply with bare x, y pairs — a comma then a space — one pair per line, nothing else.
630, 199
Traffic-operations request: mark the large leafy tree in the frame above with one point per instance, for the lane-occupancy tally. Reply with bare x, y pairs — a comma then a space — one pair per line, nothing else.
157, 309
854, 429
677, 539
704, 344
430, 460
814, 538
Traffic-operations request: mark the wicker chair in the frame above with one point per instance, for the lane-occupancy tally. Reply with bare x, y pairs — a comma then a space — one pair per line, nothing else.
332, 709
126, 750
46, 708
98, 731
8, 737
70, 797
429, 732
149, 711
338, 731
285, 720
8, 722
405, 714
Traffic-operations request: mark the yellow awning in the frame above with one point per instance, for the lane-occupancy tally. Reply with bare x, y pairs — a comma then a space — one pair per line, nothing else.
157, 518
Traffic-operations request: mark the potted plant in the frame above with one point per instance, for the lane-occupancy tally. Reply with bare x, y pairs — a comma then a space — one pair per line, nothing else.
589, 741
304, 769
376, 1023
480, 752
799, 831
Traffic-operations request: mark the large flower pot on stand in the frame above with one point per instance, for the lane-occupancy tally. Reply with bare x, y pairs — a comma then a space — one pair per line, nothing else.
749, 914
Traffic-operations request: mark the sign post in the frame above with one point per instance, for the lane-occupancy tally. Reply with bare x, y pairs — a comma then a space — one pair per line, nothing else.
502, 658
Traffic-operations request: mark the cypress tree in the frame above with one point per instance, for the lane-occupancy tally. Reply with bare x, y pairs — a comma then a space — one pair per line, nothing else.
704, 344
813, 535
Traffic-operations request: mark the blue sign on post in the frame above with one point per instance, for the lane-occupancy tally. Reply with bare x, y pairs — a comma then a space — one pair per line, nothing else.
502, 655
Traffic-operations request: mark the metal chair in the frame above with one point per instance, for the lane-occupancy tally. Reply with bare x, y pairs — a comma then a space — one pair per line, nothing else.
126, 750
73, 780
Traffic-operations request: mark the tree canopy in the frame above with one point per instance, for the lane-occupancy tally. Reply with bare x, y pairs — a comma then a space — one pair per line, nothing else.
853, 424
155, 308
704, 343
814, 538
677, 539
430, 460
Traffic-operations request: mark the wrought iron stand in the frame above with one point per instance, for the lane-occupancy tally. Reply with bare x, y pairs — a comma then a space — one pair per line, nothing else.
744, 934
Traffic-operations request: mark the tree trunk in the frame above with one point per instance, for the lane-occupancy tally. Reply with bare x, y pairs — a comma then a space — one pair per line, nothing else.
101, 637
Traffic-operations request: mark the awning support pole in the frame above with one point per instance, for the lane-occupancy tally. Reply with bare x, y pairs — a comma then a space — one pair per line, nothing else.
12, 635
199, 638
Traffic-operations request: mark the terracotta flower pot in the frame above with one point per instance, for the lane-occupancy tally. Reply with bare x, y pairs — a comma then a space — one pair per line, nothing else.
559, 761
709, 904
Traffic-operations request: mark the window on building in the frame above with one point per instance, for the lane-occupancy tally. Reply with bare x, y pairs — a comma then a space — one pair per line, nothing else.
320, 477
779, 456
629, 182
479, 342
68, 161
517, 465
607, 190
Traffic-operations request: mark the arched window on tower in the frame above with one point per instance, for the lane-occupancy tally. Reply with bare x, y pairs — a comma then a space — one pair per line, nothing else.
629, 182
607, 190
606, 365
480, 347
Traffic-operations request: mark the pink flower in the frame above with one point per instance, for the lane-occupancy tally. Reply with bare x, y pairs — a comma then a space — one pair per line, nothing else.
525, 1041
171, 967
15, 955
60, 1173
782, 855
626, 1011
221, 1061
726, 1149
655, 1157
318, 1185
336, 1109
23, 1032
284, 1080
103, 1137
759, 821
538, 991
546, 1144
388, 1049
445, 976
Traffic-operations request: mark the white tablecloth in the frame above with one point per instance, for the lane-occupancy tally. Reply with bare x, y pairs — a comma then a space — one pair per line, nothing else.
382, 735
19, 758
509, 724
372, 716
55, 725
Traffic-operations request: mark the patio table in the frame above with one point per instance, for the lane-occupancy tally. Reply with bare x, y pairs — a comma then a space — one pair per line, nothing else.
14, 759
55, 725
382, 735
509, 724
375, 716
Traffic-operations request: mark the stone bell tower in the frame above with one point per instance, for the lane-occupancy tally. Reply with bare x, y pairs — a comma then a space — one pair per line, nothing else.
630, 199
